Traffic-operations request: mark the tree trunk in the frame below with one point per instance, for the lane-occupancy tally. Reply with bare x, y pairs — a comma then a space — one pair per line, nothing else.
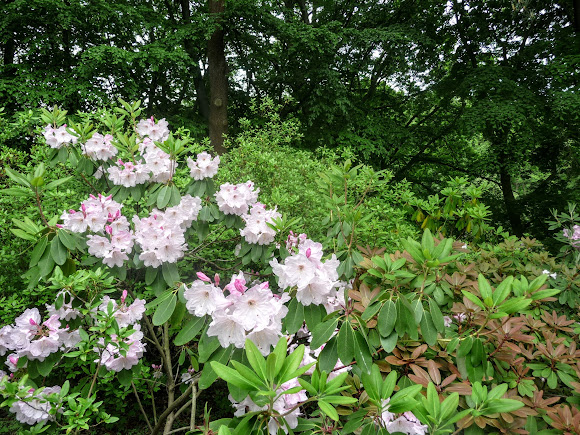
190, 48
218, 79
510, 202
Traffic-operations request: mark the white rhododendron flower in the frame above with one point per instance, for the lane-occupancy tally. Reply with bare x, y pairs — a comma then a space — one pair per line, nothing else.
58, 137
203, 167
35, 408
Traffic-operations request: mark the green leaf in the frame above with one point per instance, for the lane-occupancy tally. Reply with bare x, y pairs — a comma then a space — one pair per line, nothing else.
465, 347
163, 197
189, 330
67, 239
125, 377
322, 332
389, 343
165, 310
291, 364
231, 376
207, 346
502, 291
57, 251
484, 287
329, 355
501, 405
328, 409
57, 183
170, 273
371, 310
256, 359
473, 299
295, 316
208, 375
362, 353
249, 375
38, 251
346, 343
428, 329
387, 318
22, 234
436, 316
313, 314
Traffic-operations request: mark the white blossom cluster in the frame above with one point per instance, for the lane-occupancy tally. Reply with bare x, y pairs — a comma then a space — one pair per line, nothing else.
58, 137
236, 198
128, 174
257, 230
35, 408
161, 235
203, 167
158, 132
406, 423
316, 281
100, 147
94, 214
243, 313
31, 337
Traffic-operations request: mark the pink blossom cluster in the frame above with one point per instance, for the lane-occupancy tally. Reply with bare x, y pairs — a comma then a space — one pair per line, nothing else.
114, 357
112, 248
128, 174
244, 313
257, 230
284, 405
58, 137
35, 408
100, 147
294, 240
161, 235
236, 198
158, 162
573, 236
66, 311
204, 166
316, 281
124, 314
406, 423
94, 214
159, 132
35, 339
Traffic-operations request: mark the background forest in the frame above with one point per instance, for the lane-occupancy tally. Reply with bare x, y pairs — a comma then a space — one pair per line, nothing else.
426, 89
368, 125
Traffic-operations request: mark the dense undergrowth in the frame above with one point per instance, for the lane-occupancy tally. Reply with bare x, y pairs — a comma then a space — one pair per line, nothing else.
441, 296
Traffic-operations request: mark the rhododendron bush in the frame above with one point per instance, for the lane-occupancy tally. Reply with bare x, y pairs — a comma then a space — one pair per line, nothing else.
310, 336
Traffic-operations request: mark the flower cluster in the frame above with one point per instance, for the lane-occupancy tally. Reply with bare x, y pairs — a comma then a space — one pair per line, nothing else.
236, 198
58, 137
35, 339
100, 147
204, 166
35, 408
159, 132
124, 314
116, 357
93, 215
128, 174
161, 235
407, 423
244, 313
158, 162
574, 236
257, 229
316, 281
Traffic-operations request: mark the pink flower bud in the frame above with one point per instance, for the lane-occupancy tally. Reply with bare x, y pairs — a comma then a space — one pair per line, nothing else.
123, 296
308, 253
202, 276
59, 226
71, 211
239, 286
108, 229
93, 196
32, 322
216, 279
13, 359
